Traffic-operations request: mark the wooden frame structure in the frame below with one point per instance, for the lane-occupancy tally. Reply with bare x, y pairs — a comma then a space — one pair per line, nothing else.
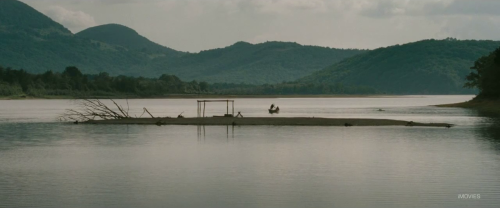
203, 103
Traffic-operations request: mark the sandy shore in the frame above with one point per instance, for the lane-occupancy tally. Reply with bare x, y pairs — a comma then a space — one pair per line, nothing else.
489, 107
266, 122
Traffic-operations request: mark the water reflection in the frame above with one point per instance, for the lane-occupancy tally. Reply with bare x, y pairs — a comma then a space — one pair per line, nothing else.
27, 134
52, 134
201, 132
490, 132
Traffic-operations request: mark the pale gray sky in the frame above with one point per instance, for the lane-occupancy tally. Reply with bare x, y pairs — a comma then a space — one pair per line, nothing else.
194, 25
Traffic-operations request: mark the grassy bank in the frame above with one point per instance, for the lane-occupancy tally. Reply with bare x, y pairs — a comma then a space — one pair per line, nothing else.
484, 105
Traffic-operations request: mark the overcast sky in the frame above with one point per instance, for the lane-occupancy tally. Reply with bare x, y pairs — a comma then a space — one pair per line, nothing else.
194, 25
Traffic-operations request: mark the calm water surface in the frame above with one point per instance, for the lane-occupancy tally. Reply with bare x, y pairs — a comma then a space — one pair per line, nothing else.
45, 163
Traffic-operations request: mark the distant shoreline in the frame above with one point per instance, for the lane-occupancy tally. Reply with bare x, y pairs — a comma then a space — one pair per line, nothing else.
192, 96
483, 105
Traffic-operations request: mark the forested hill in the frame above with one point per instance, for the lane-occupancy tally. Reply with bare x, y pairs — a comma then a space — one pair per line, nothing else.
269, 62
424, 67
120, 35
17, 17
32, 41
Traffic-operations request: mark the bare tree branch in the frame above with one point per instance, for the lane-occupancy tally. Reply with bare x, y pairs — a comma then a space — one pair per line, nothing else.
91, 109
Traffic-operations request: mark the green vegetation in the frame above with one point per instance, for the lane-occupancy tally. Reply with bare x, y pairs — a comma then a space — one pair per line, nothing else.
270, 62
292, 88
120, 35
34, 42
487, 107
71, 83
30, 40
16, 16
486, 76
424, 67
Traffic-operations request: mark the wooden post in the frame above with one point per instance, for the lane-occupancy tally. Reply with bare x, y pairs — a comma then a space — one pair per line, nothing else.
204, 106
233, 108
227, 106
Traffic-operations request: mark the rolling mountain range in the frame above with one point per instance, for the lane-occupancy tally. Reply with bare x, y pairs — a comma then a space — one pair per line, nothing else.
423, 67
32, 41
269, 62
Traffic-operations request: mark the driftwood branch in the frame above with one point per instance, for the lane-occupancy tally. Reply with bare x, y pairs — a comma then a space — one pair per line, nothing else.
92, 109
146, 110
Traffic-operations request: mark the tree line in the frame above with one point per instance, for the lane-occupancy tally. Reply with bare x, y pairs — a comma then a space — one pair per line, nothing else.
486, 76
73, 83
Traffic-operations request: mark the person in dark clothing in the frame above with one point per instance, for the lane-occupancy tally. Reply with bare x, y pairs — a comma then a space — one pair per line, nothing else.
272, 106
239, 114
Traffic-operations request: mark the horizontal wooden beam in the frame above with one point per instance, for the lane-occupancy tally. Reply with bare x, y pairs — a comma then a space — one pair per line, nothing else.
209, 101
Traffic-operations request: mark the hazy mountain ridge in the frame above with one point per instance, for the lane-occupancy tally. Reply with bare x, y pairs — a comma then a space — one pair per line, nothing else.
120, 35
34, 42
423, 67
17, 17
269, 62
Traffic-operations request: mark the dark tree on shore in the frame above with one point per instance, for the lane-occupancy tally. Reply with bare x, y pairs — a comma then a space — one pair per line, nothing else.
486, 76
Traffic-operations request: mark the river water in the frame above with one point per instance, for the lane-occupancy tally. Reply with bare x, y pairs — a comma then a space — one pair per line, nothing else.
46, 163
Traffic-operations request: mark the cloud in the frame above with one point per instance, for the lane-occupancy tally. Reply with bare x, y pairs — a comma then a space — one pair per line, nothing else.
284, 6
390, 8
194, 25
73, 20
465, 7
482, 27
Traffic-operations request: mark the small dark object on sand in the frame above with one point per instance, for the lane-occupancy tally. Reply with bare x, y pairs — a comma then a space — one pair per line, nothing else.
159, 123
76, 122
347, 125
380, 109
409, 123
273, 111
